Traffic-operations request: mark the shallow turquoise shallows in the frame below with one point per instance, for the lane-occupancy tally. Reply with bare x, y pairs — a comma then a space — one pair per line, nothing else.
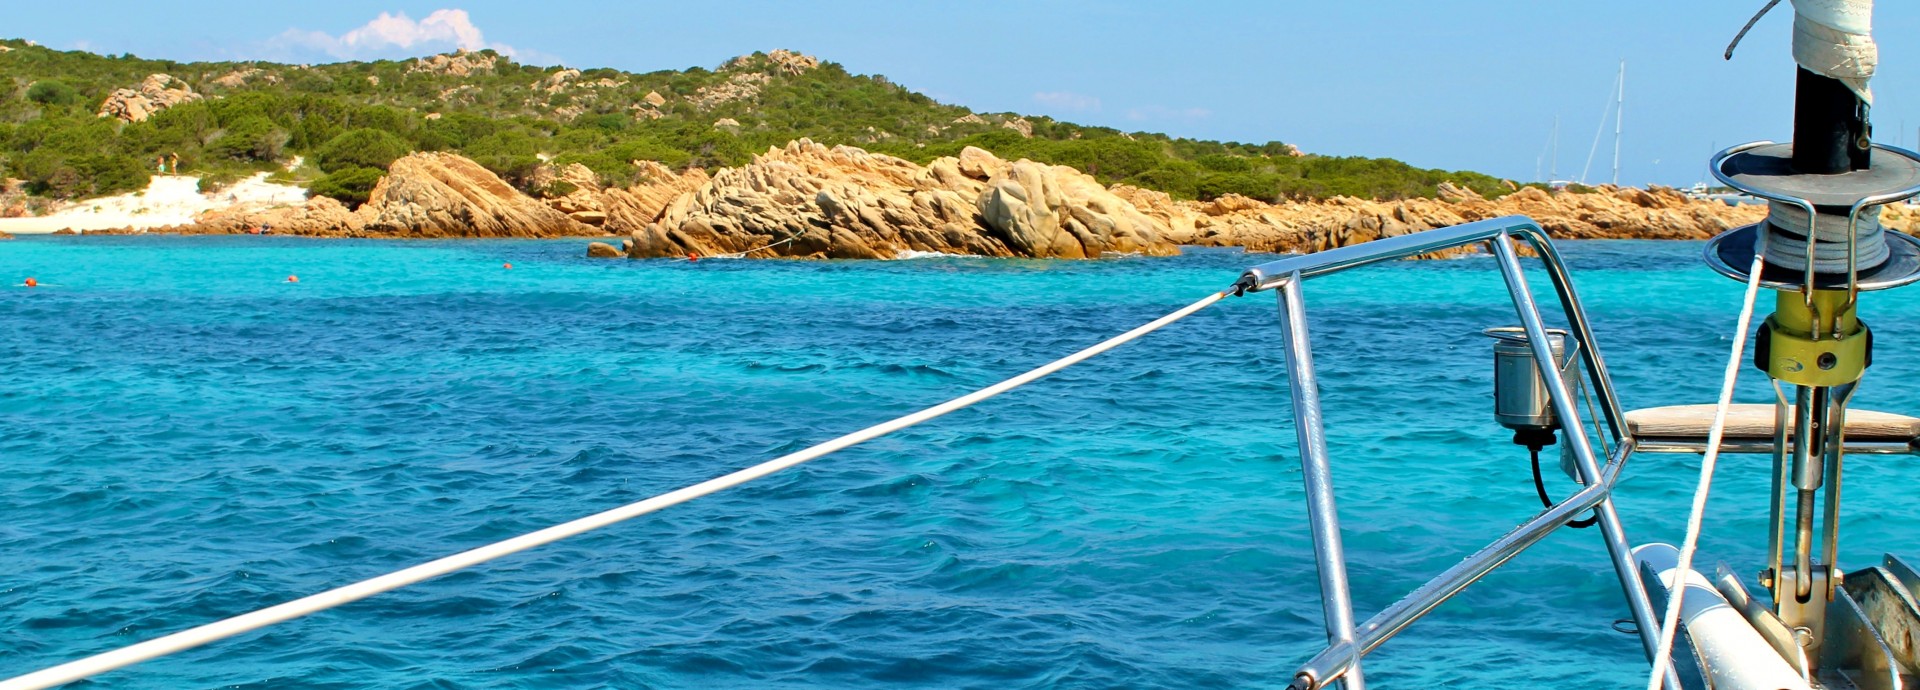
185, 436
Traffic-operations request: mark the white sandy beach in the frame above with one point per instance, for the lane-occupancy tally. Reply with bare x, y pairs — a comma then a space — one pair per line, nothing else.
168, 200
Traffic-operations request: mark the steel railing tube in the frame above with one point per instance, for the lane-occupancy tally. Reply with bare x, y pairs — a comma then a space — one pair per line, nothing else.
1563, 403
1286, 275
1577, 323
1336, 598
1332, 662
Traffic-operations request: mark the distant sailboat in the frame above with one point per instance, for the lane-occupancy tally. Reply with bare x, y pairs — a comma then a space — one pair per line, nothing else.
1618, 107
1615, 110
1552, 158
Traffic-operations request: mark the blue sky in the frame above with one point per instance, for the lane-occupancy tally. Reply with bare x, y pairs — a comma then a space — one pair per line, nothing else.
1470, 84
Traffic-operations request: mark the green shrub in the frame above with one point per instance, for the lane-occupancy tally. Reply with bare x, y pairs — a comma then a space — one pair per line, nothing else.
516, 170
361, 148
216, 181
1215, 185
51, 92
333, 115
557, 189
252, 138
350, 186
112, 174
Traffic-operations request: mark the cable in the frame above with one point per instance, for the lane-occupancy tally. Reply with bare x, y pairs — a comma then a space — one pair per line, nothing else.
1540, 487
742, 255
1749, 27
1671, 620
194, 637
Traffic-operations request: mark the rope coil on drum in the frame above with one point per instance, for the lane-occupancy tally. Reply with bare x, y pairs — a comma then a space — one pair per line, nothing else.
1788, 241
1833, 39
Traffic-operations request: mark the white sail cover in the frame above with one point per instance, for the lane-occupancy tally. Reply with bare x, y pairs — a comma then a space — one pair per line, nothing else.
1834, 38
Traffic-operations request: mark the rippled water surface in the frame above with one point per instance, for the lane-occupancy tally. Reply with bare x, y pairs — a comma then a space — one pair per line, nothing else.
185, 436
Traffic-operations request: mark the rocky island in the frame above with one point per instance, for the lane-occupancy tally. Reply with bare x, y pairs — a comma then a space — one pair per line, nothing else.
813, 201
470, 144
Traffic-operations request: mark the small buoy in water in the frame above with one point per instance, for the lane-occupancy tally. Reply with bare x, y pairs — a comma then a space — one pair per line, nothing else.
508, 266
692, 256
33, 283
293, 279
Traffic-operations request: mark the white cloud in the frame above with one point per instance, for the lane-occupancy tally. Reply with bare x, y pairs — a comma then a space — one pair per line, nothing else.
398, 35
1067, 100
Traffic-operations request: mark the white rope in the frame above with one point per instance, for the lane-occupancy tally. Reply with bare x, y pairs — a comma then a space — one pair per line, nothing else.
194, 637
1671, 620
1827, 240
742, 255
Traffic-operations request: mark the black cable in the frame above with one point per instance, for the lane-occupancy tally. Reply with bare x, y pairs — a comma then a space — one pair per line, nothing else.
1241, 286
1540, 487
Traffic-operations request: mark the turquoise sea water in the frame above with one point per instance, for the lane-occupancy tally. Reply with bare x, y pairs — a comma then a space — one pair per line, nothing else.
184, 436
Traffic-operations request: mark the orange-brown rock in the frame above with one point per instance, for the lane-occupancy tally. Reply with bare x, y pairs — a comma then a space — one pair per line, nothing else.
782, 59
154, 94
637, 206
1049, 211
842, 202
584, 195
1900, 217
557, 82
460, 63
426, 195
980, 164
603, 250
1608, 213
444, 195
241, 77
319, 216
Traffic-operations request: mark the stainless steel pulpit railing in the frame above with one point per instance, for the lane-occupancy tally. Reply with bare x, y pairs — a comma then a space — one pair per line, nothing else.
1348, 641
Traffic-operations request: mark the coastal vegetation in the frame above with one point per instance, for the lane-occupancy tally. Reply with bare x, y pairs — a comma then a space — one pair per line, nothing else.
75, 124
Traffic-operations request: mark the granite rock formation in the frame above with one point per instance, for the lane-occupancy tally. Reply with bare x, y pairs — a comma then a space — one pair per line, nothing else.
444, 195
155, 93
810, 200
320, 216
423, 195
1308, 226
460, 63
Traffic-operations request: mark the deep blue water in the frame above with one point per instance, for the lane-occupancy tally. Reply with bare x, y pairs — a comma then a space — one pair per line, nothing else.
184, 436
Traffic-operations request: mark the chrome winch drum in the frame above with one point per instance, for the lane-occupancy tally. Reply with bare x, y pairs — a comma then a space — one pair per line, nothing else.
1520, 399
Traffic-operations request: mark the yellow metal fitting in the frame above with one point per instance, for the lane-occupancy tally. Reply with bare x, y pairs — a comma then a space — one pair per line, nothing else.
1823, 344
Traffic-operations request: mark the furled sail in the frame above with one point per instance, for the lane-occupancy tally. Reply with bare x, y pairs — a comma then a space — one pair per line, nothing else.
1834, 38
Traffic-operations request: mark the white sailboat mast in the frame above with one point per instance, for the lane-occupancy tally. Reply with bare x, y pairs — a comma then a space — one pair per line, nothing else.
1600, 129
1619, 113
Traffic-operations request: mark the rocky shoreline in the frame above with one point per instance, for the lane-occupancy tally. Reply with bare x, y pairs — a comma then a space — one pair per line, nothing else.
842, 202
808, 200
